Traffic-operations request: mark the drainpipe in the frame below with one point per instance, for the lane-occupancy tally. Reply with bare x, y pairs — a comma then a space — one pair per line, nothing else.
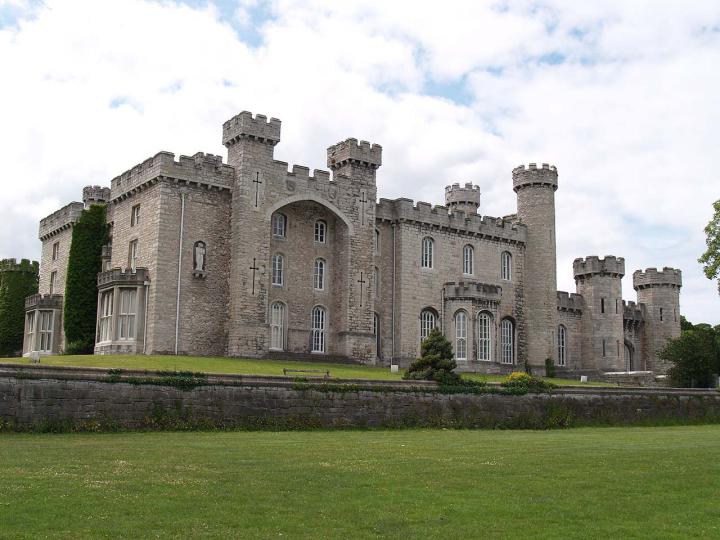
392, 305
177, 300
442, 311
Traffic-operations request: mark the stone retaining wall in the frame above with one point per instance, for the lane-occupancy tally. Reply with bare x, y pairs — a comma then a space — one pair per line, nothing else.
83, 399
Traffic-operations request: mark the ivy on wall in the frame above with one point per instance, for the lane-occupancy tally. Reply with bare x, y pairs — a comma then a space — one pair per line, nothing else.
17, 281
89, 235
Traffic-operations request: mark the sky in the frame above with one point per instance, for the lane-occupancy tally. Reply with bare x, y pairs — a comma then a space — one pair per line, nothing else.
622, 96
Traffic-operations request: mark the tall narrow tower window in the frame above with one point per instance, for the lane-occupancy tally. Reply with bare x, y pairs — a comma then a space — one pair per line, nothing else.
320, 231
602, 305
661, 314
468, 259
507, 341
277, 326
319, 274
484, 337
428, 322
278, 263
279, 225
562, 345
427, 252
461, 335
506, 266
318, 330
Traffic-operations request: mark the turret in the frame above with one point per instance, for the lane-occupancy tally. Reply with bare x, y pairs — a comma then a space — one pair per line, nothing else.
466, 199
535, 188
599, 281
659, 292
250, 137
356, 160
95, 195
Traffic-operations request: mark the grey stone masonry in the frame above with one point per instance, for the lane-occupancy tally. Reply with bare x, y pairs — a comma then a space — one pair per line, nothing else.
253, 257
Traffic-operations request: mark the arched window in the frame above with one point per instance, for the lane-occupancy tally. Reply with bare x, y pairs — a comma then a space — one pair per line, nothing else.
279, 225
319, 275
461, 335
484, 337
468, 259
320, 231
428, 321
506, 266
427, 252
318, 329
562, 345
507, 341
376, 282
278, 263
277, 326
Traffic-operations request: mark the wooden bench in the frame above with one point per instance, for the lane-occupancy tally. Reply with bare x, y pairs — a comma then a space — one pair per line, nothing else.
325, 371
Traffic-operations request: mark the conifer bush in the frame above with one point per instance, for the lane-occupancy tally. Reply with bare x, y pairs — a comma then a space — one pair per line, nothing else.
89, 235
436, 362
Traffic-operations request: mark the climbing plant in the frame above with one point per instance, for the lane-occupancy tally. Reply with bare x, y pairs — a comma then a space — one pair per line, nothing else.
17, 281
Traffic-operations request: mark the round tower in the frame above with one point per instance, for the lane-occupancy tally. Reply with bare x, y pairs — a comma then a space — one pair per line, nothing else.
535, 188
599, 281
659, 291
465, 199
17, 281
95, 195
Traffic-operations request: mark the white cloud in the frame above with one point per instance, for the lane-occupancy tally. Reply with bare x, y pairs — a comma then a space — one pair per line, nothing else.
619, 95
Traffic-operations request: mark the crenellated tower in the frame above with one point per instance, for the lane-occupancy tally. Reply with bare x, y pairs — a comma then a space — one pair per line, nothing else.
535, 188
659, 292
465, 199
599, 281
95, 195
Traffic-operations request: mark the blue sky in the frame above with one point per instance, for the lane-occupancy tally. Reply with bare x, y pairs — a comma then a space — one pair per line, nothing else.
621, 96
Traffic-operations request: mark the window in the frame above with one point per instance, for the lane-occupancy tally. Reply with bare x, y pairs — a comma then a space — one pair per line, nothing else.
277, 326
55, 251
661, 314
53, 281
617, 305
320, 231
135, 215
376, 333
319, 275
506, 266
603, 348
484, 337
277, 269
45, 331
468, 259
376, 246
126, 317
106, 310
427, 252
279, 225
562, 345
461, 335
318, 329
30, 331
376, 282
507, 341
602, 305
428, 322
133, 255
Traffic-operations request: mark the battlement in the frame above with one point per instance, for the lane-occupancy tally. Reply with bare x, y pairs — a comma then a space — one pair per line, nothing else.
472, 289
593, 265
468, 196
570, 302
206, 170
405, 210
668, 277
60, 220
43, 301
546, 175
25, 265
258, 128
350, 151
633, 311
122, 276
95, 195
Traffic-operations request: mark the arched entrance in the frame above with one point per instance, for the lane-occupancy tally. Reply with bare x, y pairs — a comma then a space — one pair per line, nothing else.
629, 365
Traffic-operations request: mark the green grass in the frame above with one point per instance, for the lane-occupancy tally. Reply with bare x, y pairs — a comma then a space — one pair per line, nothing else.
582, 483
242, 366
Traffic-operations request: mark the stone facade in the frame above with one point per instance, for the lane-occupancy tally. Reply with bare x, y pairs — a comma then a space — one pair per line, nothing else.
252, 258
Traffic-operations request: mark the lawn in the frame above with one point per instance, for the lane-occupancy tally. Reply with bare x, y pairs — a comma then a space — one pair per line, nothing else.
581, 483
241, 366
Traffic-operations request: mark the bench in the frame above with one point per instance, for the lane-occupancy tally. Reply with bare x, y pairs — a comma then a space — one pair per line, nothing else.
325, 371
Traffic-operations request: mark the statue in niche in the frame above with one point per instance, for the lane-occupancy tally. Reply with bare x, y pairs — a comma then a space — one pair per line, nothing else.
199, 256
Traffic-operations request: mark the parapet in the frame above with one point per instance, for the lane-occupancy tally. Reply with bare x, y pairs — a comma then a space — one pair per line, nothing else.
570, 302
258, 128
25, 265
668, 277
405, 210
472, 289
122, 276
632, 312
593, 265
60, 220
43, 301
546, 175
95, 195
467, 197
350, 151
206, 170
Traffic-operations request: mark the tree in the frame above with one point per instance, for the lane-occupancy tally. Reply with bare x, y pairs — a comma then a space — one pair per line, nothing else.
685, 324
89, 235
711, 258
436, 362
695, 356
17, 281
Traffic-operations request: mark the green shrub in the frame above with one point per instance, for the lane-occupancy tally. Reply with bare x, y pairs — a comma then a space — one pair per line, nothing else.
549, 367
695, 357
89, 235
520, 381
17, 281
436, 362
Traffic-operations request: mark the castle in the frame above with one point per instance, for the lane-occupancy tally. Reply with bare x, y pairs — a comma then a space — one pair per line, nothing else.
248, 259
